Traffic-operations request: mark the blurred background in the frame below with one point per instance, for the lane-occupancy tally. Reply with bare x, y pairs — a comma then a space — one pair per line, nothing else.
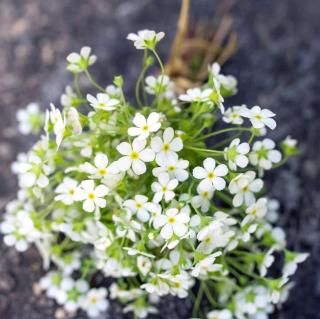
277, 64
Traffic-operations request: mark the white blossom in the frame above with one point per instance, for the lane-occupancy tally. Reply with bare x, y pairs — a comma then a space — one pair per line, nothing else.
164, 188
211, 175
259, 118
80, 62
176, 168
166, 148
66, 191
145, 39
30, 119
203, 199
172, 222
206, 266
233, 115
135, 156
143, 127
92, 197
196, 95
244, 186
102, 102
140, 206
220, 314
95, 302
235, 154
263, 154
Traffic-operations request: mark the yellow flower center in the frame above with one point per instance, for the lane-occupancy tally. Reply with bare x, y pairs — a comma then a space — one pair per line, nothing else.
134, 155
145, 128
94, 300
138, 205
258, 117
177, 285
171, 168
207, 240
102, 171
164, 189
91, 196
211, 175
234, 116
171, 220
205, 194
71, 191
166, 147
245, 188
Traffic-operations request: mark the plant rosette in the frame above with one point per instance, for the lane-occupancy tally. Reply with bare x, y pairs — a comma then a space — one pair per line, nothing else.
136, 193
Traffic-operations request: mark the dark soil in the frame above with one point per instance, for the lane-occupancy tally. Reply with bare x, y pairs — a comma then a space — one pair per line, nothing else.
277, 64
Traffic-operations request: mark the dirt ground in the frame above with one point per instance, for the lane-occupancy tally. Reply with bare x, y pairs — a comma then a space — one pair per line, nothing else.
277, 64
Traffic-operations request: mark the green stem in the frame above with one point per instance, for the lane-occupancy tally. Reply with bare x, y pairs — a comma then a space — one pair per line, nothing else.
198, 300
93, 82
209, 296
140, 78
76, 85
205, 150
231, 129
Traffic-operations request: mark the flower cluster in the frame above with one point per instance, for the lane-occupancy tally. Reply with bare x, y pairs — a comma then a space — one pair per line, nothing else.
137, 194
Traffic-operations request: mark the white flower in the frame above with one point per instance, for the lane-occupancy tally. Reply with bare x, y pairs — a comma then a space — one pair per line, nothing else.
176, 168
80, 62
202, 200
134, 156
164, 188
113, 91
145, 126
69, 98
68, 263
259, 118
264, 155
292, 260
229, 82
66, 191
95, 302
30, 119
70, 293
179, 284
102, 102
213, 236
91, 196
100, 169
19, 230
74, 120
51, 283
32, 171
266, 262
140, 311
196, 95
211, 175
244, 186
58, 122
172, 222
273, 206
166, 147
144, 265
290, 142
233, 115
258, 209
206, 266
140, 206
235, 154
157, 85
145, 39
220, 314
